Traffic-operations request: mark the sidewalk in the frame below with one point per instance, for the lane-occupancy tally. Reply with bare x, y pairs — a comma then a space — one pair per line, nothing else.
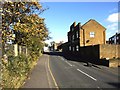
40, 76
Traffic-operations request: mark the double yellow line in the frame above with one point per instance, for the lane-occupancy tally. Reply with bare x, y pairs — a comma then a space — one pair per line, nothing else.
52, 75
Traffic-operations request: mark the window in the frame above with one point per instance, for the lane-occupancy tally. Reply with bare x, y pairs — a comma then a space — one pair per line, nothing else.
69, 38
113, 39
73, 37
92, 34
77, 48
73, 48
72, 29
77, 34
69, 48
117, 37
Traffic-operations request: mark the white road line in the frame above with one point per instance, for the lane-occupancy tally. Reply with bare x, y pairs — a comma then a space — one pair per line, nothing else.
69, 63
87, 75
66, 61
62, 58
99, 88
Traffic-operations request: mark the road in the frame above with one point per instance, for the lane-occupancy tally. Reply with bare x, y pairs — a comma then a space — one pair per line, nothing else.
54, 71
72, 74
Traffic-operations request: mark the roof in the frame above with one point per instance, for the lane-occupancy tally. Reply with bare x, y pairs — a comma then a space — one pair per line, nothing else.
92, 20
117, 34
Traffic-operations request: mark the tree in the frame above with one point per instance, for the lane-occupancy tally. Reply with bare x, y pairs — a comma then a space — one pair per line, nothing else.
23, 18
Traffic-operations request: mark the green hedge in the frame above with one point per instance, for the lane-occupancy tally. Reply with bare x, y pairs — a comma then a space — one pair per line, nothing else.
16, 69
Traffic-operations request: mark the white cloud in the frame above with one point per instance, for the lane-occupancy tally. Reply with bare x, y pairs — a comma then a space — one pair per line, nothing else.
112, 29
113, 17
113, 26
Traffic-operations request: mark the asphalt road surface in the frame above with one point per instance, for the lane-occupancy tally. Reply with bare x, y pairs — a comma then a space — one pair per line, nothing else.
72, 74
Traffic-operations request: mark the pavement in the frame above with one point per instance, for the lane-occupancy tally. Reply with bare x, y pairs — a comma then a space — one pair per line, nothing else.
40, 76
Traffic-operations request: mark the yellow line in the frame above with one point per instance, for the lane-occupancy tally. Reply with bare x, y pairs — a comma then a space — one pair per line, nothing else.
47, 74
52, 75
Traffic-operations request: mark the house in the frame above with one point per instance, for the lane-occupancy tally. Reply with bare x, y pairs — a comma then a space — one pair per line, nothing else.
89, 41
55, 46
115, 39
90, 33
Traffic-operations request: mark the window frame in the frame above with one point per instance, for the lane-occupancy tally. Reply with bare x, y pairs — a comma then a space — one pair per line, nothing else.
77, 48
69, 48
73, 48
77, 35
92, 34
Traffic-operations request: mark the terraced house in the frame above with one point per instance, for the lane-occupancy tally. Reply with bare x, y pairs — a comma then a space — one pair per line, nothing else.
90, 33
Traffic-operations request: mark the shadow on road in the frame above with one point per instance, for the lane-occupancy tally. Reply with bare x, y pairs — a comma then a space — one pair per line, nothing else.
116, 85
89, 61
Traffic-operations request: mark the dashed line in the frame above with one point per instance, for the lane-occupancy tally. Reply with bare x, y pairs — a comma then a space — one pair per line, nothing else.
66, 62
87, 75
62, 58
99, 88
69, 63
79, 70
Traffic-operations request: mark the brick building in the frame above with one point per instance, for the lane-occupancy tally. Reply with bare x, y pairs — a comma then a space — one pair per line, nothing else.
89, 41
91, 33
115, 39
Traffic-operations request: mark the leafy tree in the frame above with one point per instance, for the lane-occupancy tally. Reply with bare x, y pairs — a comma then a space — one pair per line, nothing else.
23, 18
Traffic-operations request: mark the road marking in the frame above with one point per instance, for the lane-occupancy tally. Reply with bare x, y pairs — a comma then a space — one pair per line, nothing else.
69, 63
66, 61
50, 86
99, 88
62, 58
87, 74
52, 75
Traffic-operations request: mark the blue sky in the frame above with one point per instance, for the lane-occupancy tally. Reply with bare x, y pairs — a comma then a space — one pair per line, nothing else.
61, 15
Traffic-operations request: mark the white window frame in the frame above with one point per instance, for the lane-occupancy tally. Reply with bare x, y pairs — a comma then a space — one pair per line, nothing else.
69, 48
73, 37
77, 48
77, 34
117, 37
92, 34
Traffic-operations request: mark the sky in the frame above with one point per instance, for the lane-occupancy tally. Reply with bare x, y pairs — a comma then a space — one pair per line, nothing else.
61, 15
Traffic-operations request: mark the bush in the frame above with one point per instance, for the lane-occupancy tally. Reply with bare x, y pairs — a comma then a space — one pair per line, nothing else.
15, 71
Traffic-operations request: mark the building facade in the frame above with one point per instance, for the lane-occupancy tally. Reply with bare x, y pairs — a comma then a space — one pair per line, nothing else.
91, 33
115, 39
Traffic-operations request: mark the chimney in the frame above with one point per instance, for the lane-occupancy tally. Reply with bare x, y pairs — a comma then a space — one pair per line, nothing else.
79, 25
74, 24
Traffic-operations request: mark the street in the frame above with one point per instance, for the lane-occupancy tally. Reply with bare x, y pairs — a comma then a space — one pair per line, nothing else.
63, 73
71, 74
